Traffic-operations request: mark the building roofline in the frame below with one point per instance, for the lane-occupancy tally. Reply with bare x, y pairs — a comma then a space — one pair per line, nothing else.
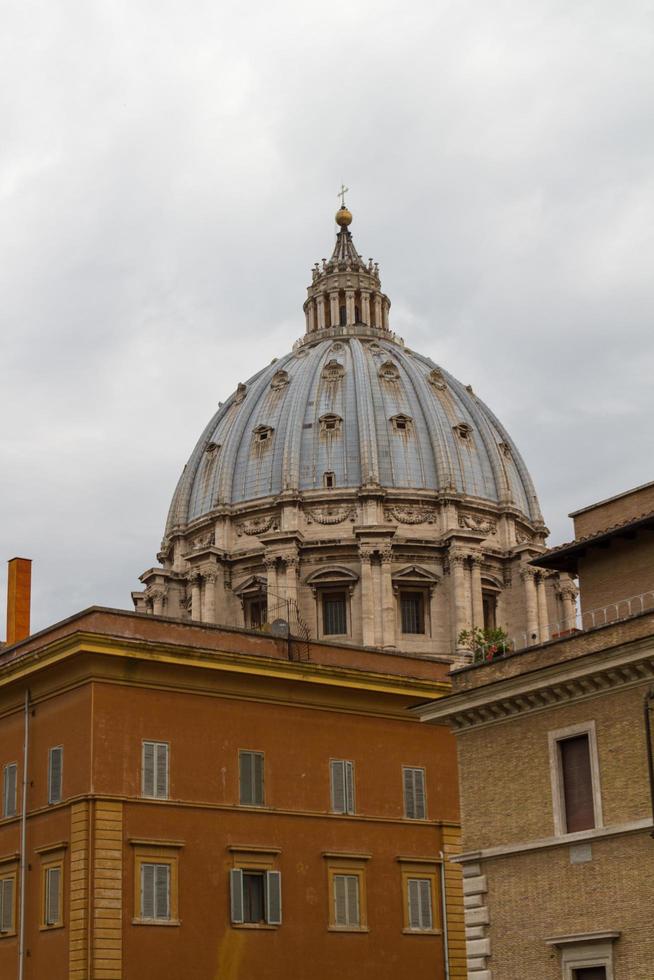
564, 557
609, 500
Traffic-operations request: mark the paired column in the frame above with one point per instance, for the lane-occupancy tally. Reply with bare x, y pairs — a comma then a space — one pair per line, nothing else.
543, 618
196, 596
334, 311
568, 595
365, 307
350, 314
292, 569
388, 601
475, 587
528, 576
209, 598
459, 597
367, 605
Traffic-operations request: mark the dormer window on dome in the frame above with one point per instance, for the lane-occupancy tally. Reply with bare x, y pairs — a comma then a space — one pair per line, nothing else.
330, 423
463, 430
437, 380
402, 423
333, 370
263, 433
279, 380
241, 392
389, 372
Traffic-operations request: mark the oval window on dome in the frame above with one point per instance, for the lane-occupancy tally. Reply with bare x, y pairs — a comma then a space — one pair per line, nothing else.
464, 431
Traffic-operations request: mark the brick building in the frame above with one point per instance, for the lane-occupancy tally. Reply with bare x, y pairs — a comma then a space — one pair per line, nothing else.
556, 785
210, 803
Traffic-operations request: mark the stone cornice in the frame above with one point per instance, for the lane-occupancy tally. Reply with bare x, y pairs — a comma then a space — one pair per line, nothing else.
550, 686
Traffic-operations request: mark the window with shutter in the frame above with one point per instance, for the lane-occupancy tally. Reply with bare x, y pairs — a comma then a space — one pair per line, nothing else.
342, 786
251, 778
52, 910
236, 892
273, 898
55, 774
7, 897
154, 770
155, 891
9, 790
414, 793
420, 904
346, 900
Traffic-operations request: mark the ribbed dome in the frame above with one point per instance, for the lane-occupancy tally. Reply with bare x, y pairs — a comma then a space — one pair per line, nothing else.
362, 411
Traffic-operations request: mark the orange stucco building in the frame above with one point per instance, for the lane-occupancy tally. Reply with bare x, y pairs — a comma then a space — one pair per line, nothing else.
205, 803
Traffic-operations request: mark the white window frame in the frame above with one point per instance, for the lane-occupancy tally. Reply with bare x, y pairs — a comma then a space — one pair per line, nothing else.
556, 774
51, 797
583, 952
9, 807
157, 792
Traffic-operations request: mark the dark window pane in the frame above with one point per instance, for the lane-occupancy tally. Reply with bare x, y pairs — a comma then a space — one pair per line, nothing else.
256, 613
334, 619
412, 606
577, 784
253, 903
591, 973
490, 605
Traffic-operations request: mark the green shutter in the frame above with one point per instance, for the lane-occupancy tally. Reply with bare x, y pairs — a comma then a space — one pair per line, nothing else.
161, 891
236, 894
273, 898
148, 769
349, 787
340, 900
337, 785
147, 891
7, 905
409, 796
55, 774
161, 770
257, 789
52, 896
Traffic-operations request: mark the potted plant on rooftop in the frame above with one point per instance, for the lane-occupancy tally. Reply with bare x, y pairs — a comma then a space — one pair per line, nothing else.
486, 645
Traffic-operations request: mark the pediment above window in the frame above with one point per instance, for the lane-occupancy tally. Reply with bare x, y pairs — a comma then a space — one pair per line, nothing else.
254, 585
334, 576
414, 576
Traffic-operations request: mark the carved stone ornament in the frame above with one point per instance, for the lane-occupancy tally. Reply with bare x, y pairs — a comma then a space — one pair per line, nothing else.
474, 522
280, 380
330, 515
437, 380
259, 525
211, 449
202, 541
411, 515
241, 392
523, 537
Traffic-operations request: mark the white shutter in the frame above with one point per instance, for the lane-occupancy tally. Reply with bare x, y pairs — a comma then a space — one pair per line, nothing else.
162, 891
147, 891
148, 769
349, 787
409, 796
419, 790
425, 904
257, 789
55, 774
161, 771
236, 891
338, 785
352, 900
340, 900
9, 791
6, 905
245, 777
274, 898
414, 903
52, 889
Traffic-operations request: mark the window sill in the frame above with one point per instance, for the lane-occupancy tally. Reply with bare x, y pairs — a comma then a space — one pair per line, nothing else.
422, 932
156, 922
8, 935
58, 925
263, 926
348, 929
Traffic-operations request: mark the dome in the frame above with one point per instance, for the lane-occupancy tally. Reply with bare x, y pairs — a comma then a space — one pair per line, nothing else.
353, 411
356, 490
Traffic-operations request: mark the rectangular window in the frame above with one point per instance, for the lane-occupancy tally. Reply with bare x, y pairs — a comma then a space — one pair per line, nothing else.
414, 793
577, 783
250, 765
7, 903
346, 901
334, 614
55, 774
342, 786
52, 894
9, 780
256, 897
419, 898
412, 607
574, 771
257, 610
155, 891
154, 770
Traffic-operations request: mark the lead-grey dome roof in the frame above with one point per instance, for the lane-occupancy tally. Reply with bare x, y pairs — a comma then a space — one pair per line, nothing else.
366, 411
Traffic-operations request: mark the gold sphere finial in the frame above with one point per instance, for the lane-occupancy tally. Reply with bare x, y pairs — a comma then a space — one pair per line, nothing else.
343, 217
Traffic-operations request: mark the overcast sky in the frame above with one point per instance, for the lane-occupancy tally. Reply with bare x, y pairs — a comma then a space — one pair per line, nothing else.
168, 176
